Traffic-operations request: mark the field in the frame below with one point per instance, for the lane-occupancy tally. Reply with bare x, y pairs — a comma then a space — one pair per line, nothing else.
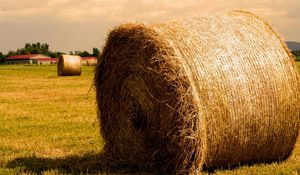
49, 126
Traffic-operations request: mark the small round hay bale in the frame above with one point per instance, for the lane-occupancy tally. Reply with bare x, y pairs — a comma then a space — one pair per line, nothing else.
203, 92
69, 65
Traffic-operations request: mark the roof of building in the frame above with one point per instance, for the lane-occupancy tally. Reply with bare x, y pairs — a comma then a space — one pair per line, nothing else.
21, 57
29, 56
46, 59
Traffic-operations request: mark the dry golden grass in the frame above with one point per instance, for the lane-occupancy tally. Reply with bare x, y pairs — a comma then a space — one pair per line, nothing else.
45, 133
46, 116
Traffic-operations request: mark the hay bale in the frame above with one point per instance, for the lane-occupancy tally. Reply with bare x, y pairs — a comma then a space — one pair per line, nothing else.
69, 65
202, 92
91, 62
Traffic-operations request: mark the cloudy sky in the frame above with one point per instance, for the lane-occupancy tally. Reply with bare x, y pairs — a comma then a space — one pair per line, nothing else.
83, 24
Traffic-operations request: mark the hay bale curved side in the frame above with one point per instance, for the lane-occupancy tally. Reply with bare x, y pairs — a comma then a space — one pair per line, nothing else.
69, 65
203, 92
92, 62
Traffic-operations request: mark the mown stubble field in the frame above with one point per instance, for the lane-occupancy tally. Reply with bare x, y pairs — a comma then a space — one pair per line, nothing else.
48, 125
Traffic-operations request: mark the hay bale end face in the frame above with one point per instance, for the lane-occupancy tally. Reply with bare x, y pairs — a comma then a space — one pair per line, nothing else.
69, 65
203, 92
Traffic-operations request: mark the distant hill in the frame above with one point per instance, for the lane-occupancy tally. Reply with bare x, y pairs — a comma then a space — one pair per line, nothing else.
293, 45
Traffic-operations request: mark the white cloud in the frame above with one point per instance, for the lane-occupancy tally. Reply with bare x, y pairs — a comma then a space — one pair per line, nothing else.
101, 14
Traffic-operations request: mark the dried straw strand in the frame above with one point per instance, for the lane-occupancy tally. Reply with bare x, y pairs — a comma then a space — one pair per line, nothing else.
203, 92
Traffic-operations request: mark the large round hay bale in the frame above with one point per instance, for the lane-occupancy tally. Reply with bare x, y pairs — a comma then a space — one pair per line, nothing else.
202, 92
69, 65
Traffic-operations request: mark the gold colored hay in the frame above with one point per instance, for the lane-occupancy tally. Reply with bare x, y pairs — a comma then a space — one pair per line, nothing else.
69, 65
203, 92
92, 62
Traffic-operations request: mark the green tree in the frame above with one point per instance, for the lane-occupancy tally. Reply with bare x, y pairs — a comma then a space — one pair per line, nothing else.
27, 46
23, 52
55, 54
34, 48
2, 56
296, 52
85, 54
96, 52
45, 49
82, 54
11, 53
77, 52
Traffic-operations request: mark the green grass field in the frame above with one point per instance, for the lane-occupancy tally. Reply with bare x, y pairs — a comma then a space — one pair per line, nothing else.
49, 126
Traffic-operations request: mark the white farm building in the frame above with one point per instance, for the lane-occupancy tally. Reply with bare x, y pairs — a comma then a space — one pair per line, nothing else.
30, 59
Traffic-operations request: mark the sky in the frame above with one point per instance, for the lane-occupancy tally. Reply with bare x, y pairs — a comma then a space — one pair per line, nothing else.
69, 25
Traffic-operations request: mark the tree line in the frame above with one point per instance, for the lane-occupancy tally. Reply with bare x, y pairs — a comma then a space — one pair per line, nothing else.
296, 52
43, 48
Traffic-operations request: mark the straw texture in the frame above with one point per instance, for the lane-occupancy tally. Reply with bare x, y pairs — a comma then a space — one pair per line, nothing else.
92, 62
69, 65
203, 92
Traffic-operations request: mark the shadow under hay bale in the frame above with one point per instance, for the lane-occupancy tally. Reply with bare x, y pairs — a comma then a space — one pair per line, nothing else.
204, 92
91, 164
69, 65
72, 165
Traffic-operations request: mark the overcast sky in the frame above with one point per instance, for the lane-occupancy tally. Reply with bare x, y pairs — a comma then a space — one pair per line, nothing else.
83, 24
